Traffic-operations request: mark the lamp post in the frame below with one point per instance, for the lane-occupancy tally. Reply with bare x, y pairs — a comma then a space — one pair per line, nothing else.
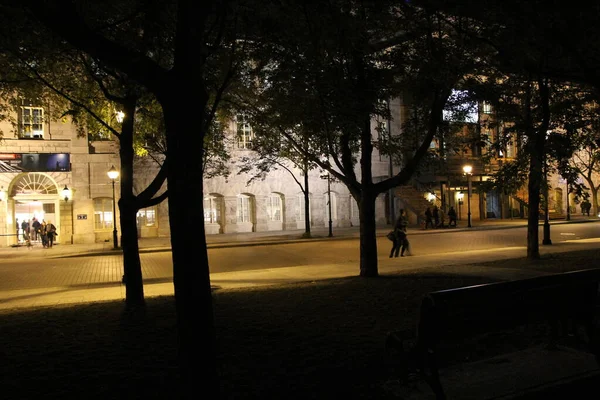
468, 170
328, 177
113, 174
66, 194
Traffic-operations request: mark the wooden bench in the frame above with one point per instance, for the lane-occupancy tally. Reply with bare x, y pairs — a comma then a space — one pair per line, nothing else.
565, 303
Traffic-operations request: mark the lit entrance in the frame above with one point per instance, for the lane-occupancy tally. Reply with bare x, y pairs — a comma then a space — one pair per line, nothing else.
32, 195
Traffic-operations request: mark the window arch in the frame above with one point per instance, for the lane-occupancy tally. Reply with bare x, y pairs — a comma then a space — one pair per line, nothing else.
34, 183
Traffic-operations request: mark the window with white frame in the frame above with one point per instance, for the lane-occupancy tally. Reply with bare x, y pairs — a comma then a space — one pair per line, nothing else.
244, 209
146, 217
300, 208
244, 132
487, 107
32, 122
212, 209
103, 213
274, 210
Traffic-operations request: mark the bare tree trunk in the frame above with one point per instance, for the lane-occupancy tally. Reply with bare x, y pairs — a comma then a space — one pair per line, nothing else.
536, 143
132, 267
594, 190
193, 297
368, 235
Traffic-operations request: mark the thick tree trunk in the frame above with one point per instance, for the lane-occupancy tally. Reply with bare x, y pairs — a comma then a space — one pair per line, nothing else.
594, 199
132, 267
368, 235
533, 222
191, 279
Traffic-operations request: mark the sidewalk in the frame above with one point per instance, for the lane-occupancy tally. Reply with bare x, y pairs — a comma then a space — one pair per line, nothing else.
49, 296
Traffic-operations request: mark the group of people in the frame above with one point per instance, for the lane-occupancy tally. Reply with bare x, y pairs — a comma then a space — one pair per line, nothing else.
586, 206
34, 230
435, 217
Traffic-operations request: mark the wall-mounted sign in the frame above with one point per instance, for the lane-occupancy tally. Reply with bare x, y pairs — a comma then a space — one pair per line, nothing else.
35, 162
81, 216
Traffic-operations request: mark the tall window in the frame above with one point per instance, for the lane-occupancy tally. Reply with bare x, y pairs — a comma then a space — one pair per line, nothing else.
103, 213
244, 209
300, 208
212, 210
146, 217
244, 133
274, 207
487, 108
32, 122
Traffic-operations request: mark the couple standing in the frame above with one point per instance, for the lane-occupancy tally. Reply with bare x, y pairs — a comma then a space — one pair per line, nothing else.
399, 239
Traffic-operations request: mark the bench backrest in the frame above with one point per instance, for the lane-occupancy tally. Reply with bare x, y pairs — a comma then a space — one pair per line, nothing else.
471, 310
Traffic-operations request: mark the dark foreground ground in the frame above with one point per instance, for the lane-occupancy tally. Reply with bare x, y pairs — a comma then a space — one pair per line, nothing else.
315, 340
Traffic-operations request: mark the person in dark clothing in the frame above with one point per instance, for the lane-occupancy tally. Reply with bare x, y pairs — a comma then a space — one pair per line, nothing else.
35, 229
51, 233
25, 230
436, 216
452, 217
428, 218
586, 207
400, 242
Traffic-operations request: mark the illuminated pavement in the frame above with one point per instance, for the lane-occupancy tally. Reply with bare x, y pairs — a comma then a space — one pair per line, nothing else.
109, 261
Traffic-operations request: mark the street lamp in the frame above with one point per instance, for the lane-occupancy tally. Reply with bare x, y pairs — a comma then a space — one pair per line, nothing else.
468, 170
328, 177
66, 194
113, 174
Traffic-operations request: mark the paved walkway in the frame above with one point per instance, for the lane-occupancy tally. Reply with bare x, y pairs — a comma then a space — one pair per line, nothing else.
48, 296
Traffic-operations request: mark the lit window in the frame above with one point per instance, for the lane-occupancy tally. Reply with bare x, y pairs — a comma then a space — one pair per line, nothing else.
244, 208
103, 213
274, 207
487, 108
212, 209
244, 133
32, 122
146, 217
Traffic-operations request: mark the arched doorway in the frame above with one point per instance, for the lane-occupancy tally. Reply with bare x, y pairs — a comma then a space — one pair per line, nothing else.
32, 195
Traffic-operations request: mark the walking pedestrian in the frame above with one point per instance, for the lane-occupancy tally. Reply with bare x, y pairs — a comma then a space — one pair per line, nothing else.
43, 234
35, 229
51, 233
428, 218
399, 240
452, 217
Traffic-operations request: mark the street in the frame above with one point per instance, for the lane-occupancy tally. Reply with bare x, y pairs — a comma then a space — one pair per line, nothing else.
452, 246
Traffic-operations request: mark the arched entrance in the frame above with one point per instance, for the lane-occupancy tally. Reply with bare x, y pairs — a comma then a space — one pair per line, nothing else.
32, 195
